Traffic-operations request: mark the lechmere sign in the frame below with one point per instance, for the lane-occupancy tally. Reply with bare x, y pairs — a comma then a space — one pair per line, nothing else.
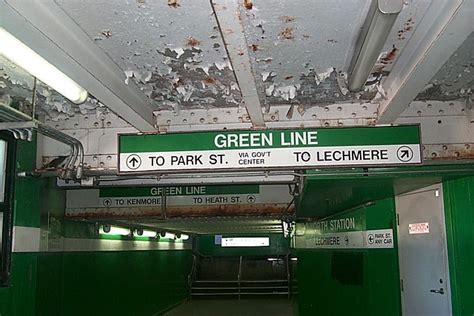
270, 149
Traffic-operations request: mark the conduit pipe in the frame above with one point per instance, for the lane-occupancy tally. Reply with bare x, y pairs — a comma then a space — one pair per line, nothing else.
75, 160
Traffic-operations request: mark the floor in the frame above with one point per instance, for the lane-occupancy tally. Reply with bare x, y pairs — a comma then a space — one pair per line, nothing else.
243, 307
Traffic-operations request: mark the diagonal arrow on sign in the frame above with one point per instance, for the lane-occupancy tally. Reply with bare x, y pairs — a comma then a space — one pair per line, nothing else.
405, 154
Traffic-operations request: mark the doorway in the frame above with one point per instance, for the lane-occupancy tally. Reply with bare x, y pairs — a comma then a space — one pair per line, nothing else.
423, 255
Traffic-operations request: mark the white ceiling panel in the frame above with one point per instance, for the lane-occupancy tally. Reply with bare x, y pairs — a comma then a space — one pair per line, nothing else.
173, 52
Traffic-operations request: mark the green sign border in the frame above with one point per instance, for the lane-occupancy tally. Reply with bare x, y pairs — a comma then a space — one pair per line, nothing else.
170, 190
338, 136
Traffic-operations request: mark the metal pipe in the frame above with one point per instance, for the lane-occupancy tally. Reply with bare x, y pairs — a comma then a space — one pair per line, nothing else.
68, 167
30, 135
379, 21
23, 134
80, 166
9, 117
72, 161
15, 133
76, 157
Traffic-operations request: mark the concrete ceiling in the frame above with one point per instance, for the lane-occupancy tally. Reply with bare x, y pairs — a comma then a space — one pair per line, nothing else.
298, 50
455, 79
173, 51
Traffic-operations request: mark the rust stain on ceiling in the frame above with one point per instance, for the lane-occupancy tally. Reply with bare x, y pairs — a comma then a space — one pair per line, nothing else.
171, 49
299, 52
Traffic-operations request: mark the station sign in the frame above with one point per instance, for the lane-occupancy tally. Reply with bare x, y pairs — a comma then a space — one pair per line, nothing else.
380, 238
96, 201
343, 233
245, 242
267, 149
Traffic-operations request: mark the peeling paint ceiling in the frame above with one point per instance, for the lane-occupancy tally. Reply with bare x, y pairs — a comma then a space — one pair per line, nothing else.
300, 50
18, 85
456, 78
174, 51
298, 47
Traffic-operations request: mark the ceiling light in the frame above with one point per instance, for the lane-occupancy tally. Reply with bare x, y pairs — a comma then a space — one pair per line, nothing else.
37, 66
114, 230
168, 235
146, 233
184, 237
376, 28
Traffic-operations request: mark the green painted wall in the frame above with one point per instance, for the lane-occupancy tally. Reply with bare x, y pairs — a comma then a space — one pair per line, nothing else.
370, 282
278, 246
20, 297
124, 283
83, 283
328, 191
459, 210
111, 283
49, 295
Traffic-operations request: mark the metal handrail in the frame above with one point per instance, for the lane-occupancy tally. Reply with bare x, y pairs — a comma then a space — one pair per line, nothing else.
288, 274
240, 274
192, 275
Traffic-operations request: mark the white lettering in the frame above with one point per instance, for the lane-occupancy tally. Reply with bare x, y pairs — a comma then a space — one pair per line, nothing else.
243, 140
219, 141
312, 138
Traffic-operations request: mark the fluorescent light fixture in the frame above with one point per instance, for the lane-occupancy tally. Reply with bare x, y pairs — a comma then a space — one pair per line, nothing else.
114, 230
26, 58
294, 259
246, 242
168, 235
184, 237
382, 14
286, 229
146, 233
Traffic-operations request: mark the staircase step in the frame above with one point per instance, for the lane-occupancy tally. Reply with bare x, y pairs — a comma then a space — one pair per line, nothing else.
263, 287
241, 293
214, 294
215, 281
262, 281
214, 288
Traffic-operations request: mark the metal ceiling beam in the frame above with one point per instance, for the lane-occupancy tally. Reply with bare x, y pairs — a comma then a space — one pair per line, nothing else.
227, 13
443, 29
48, 30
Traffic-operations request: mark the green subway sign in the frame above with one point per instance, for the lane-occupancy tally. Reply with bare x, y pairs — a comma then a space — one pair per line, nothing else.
270, 149
151, 199
342, 232
179, 190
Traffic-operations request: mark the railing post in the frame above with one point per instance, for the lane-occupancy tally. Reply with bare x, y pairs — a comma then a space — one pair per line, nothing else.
239, 275
288, 274
191, 277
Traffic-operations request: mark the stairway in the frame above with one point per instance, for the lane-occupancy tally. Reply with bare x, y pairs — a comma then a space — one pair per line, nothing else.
201, 288
241, 284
